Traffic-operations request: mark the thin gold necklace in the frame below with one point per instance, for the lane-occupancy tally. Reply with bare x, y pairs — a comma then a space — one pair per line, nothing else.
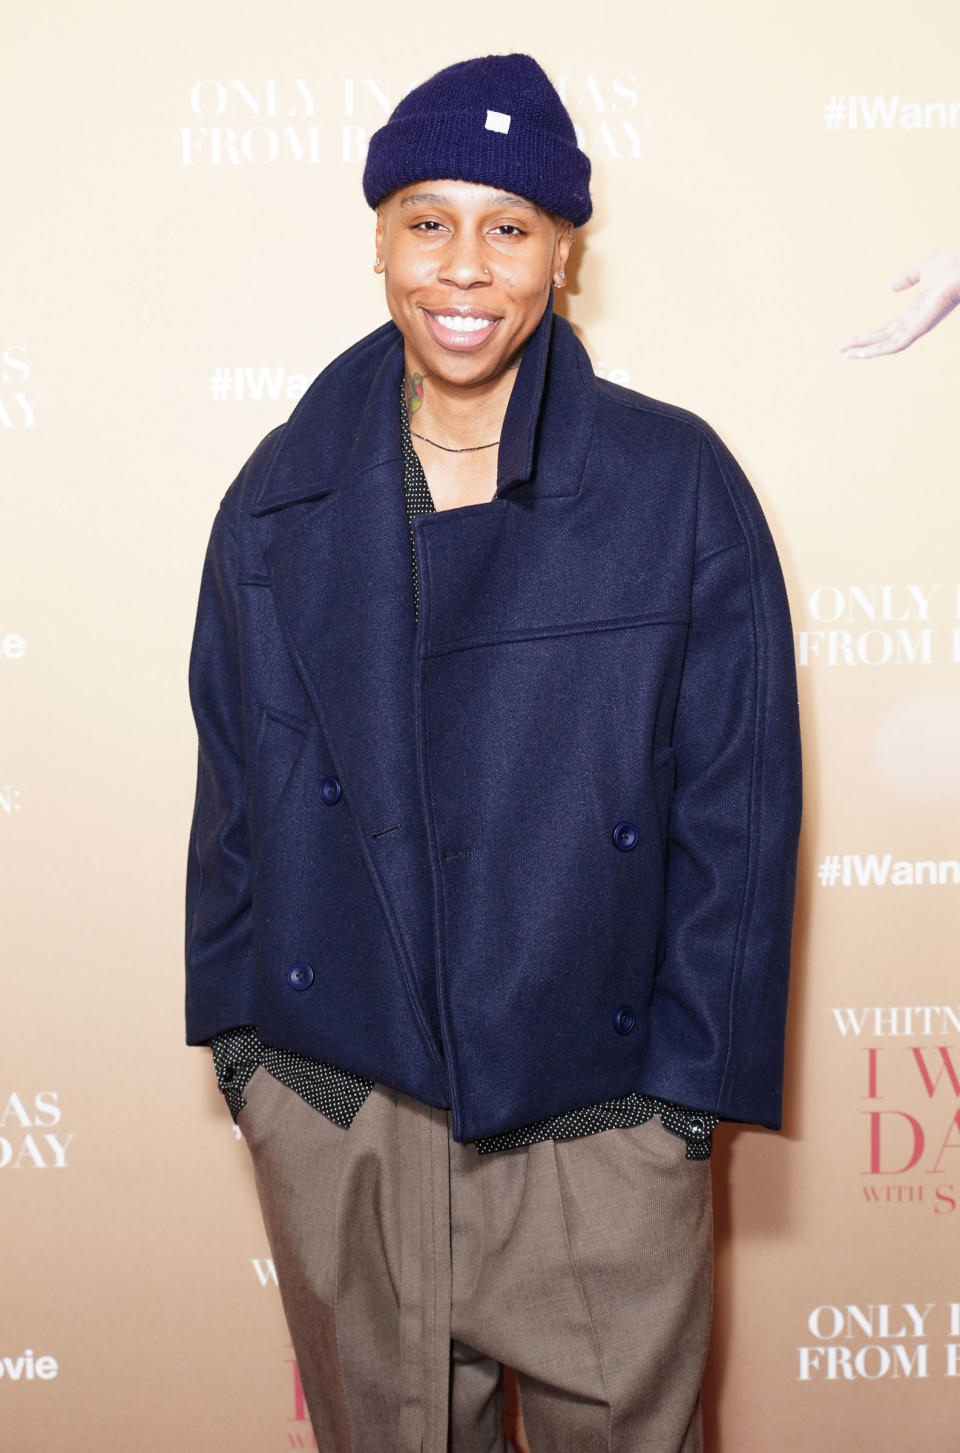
467, 448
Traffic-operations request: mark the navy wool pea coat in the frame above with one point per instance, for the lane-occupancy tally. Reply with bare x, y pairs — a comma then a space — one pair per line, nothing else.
537, 849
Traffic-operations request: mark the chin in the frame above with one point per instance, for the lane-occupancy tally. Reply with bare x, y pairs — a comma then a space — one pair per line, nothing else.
467, 370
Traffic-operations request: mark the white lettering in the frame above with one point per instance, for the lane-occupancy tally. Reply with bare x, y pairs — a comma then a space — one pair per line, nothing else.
354, 107
29, 1150
815, 1318
847, 1020
870, 869
208, 99
45, 1103
879, 110
27, 417
59, 1149
14, 647
28, 1366
265, 1269
14, 367
256, 146
923, 599
917, 1317
16, 1107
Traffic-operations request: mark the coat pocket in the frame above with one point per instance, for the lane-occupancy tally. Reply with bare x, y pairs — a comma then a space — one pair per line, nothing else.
279, 742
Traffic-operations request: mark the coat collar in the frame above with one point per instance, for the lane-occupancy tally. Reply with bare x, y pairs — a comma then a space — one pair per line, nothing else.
346, 422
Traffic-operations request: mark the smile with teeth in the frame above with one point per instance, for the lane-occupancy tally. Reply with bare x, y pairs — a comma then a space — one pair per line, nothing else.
462, 325
455, 330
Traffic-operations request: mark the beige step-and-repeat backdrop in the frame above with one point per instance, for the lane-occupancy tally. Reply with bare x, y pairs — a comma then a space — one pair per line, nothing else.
186, 245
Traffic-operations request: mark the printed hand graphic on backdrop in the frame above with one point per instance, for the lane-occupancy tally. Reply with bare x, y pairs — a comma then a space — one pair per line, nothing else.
939, 274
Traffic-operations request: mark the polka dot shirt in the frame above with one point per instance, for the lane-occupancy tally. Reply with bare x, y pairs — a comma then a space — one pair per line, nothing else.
338, 1093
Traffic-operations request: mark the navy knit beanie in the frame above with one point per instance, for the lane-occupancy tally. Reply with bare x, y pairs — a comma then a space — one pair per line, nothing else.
497, 120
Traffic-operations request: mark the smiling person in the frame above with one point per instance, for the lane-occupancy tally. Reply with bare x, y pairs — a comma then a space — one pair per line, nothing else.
493, 856
463, 341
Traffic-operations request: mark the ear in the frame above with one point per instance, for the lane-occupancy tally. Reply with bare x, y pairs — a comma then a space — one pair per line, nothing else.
564, 242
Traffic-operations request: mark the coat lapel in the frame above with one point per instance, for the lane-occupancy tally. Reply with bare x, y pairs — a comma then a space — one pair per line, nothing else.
340, 570
341, 577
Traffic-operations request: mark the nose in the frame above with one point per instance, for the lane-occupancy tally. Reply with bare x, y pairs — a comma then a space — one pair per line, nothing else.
463, 263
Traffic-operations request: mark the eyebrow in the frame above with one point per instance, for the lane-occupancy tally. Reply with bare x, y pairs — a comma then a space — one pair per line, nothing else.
504, 199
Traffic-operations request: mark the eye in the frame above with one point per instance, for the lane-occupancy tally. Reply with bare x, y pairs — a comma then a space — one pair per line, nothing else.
508, 228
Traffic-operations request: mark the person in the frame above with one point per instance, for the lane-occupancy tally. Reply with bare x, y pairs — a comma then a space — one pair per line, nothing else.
493, 855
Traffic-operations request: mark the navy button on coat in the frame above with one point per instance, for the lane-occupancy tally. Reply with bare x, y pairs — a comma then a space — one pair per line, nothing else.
607, 641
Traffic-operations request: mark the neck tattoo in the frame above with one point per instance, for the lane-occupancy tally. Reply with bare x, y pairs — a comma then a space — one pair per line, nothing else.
414, 401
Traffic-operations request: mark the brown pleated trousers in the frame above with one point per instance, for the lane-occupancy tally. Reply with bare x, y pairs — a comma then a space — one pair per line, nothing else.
411, 1269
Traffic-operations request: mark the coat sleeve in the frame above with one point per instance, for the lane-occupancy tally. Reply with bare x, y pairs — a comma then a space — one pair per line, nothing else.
219, 954
718, 1010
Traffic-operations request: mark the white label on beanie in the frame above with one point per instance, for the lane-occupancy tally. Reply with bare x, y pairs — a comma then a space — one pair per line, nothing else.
497, 121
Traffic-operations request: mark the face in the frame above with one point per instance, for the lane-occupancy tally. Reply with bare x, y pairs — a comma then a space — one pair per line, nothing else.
456, 250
